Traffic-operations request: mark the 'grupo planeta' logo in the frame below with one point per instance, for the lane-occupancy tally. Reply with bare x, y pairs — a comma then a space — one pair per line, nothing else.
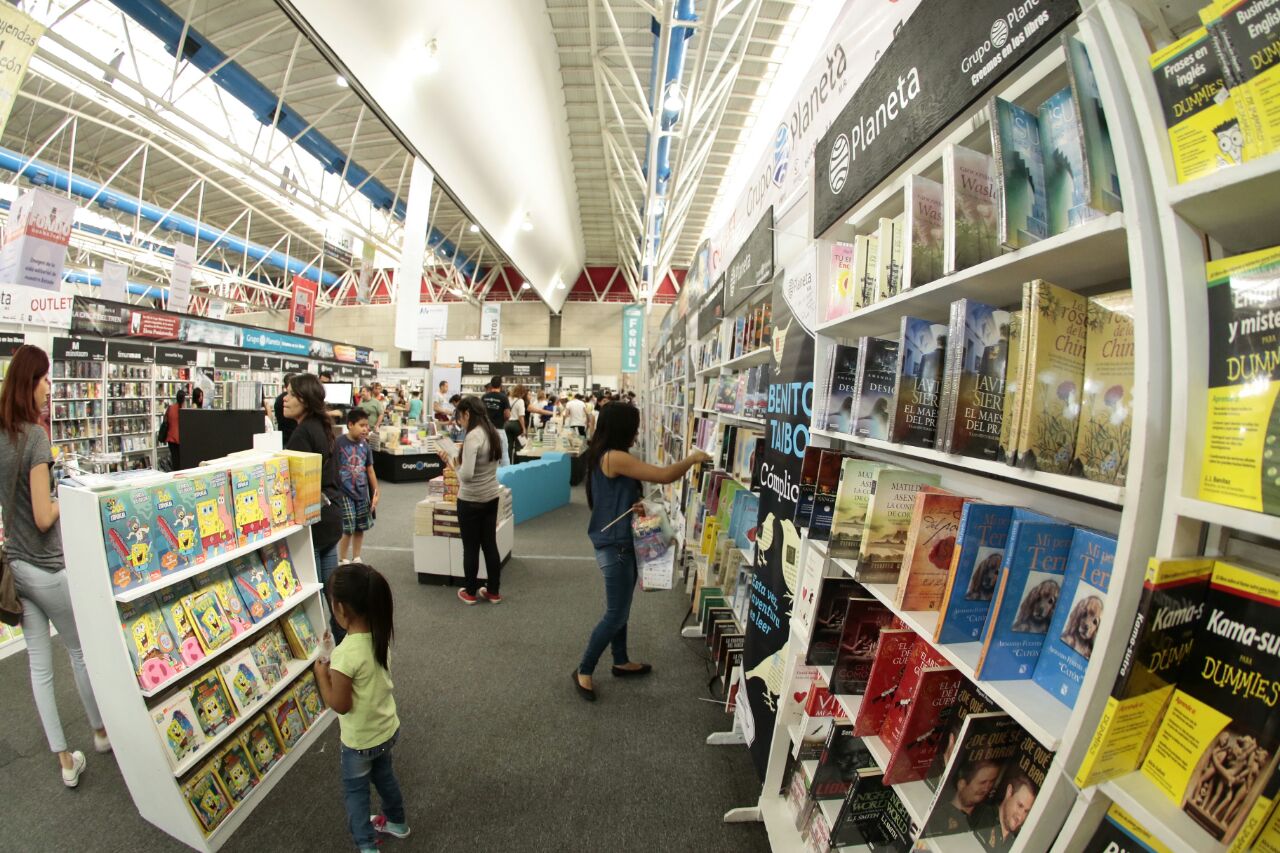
839, 166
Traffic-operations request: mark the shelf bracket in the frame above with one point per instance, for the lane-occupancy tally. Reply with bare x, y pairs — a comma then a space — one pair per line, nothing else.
746, 814
730, 738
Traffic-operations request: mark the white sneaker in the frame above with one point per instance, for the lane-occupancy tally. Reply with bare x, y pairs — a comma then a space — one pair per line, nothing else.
71, 777
101, 743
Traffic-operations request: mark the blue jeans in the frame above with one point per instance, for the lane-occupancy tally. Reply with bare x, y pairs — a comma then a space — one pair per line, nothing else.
359, 768
326, 562
618, 564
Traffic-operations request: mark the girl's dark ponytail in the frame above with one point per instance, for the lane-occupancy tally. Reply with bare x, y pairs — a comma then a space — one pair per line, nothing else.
365, 592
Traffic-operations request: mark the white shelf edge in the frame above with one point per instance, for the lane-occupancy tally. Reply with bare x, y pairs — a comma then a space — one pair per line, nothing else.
1138, 796
1248, 521
750, 359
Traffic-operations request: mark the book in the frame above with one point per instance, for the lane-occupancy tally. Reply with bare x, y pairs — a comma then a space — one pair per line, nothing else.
243, 681
859, 634
310, 702
922, 231
920, 725
1218, 741
981, 355
888, 522
841, 297
950, 370
1054, 372
127, 518
981, 537
1007, 450
808, 485
302, 638
176, 723
1099, 157
214, 711
180, 627
969, 793
824, 496
1240, 428
1204, 130
842, 394
1030, 583
1169, 610
928, 552
279, 566
304, 478
213, 511
1065, 177
152, 650
893, 650
865, 267
248, 491
208, 800
1119, 832
828, 620
889, 250
857, 481
876, 378
279, 491
1068, 646
205, 612
913, 418
1106, 411
287, 720
1020, 782
862, 816
1244, 47
970, 701
235, 771
259, 739
173, 536
219, 580
254, 586
970, 209
1015, 139
272, 661
922, 660
843, 755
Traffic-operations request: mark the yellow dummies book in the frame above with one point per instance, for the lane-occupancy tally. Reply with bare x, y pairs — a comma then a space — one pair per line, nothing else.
1204, 133
1245, 37
1242, 424
1054, 373
1102, 443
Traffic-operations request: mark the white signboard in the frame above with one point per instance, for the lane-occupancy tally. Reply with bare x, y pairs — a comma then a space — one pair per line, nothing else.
801, 287
36, 238
20, 36
433, 324
34, 306
115, 281
184, 258
490, 321
217, 309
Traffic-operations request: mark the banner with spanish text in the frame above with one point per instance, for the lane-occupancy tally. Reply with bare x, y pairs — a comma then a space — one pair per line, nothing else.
302, 308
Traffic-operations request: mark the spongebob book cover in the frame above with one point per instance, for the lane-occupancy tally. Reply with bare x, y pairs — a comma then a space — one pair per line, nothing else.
310, 702
151, 647
288, 721
276, 635
127, 519
208, 800
279, 491
236, 771
263, 746
219, 581
213, 512
214, 710
255, 587
175, 619
300, 635
242, 679
280, 568
178, 728
249, 498
210, 621
267, 656
174, 539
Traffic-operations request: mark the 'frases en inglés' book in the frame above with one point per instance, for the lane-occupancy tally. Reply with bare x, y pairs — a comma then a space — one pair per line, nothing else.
971, 208
877, 375
927, 558
1204, 131
857, 482
1102, 441
1068, 647
1015, 139
913, 419
888, 522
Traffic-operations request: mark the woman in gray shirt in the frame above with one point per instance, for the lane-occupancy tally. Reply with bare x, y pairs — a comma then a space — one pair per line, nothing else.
33, 542
478, 500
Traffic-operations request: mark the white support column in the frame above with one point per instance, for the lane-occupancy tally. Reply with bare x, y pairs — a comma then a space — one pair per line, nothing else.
412, 253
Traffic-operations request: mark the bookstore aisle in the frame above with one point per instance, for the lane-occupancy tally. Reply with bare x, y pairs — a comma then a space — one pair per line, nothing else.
497, 752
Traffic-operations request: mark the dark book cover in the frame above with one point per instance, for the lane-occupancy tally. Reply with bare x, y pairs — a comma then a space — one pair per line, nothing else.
824, 496
842, 757
924, 658
998, 822
828, 619
863, 620
878, 360
922, 350
808, 486
983, 356
970, 791
895, 831
858, 821
843, 397
970, 701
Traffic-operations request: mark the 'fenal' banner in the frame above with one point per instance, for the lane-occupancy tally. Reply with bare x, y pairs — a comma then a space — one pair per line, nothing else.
947, 55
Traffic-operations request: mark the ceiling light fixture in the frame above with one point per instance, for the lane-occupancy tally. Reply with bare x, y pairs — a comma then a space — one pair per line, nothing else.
674, 101
527, 225
341, 82
430, 57
475, 229
524, 285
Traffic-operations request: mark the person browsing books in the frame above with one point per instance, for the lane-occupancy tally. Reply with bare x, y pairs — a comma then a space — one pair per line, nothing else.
613, 493
356, 683
415, 407
477, 469
33, 542
359, 485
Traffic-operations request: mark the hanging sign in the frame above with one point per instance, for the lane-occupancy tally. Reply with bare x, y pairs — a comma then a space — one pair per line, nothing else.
34, 306
217, 309
184, 258
231, 360
108, 319
291, 365
712, 310
127, 353
801, 288
632, 337
945, 57
433, 325
302, 308
9, 343
490, 321
115, 281
36, 238
265, 363
20, 35
175, 356
79, 349
751, 271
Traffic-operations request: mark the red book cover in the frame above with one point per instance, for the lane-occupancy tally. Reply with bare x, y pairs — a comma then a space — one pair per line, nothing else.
924, 726
923, 656
926, 563
891, 659
863, 620
820, 702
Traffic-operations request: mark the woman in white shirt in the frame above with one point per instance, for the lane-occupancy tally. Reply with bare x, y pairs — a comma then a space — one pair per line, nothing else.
515, 427
478, 500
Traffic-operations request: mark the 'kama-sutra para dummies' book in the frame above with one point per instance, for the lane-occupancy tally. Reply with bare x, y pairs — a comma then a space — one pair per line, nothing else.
921, 352
971, 208
1102, 440
1015, 138
922, 232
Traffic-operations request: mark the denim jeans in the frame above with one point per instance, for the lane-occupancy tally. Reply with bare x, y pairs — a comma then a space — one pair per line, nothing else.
326, 562
359, 768
618, 565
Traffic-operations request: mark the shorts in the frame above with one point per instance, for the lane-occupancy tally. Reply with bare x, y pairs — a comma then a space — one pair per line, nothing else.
355, 515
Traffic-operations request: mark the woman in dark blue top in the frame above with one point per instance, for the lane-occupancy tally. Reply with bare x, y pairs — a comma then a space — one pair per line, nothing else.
613, 492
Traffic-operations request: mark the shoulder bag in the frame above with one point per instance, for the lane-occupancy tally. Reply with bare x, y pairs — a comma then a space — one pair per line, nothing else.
10, 604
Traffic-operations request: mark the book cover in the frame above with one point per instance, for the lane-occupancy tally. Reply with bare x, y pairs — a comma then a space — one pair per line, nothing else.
180, 627
877, 375
235, 771
1244, 47
1164, 628
843, 756
1240, 422
1218, 741
243, 681
257, 592
1066, 187
843, 393
214, 711
971, 208
259, 739
310, 702
1099, 157
922, 660
1119, 832
922, 727
152, 649
207, 798
213, 512
981, 365
1015, 139
1068, 646
893, 649
981, 538
857, 481
950, 370
1020, 783
279, 491
1204, 130
1106, 413
808, 585
970, 701
173, 536
1030, 584
824, 495
298, 632
205, 612
828, 619
889, 246
1008, 447
969, 794
248, 490
922, 226
279, 566
1055, 373
888, 522
927, 555
914, 416
859, 634
179, 729
864, 807
287, 720
219, 580
304, 478
127, 518
267, 656
865, 267
808, 486
841, 297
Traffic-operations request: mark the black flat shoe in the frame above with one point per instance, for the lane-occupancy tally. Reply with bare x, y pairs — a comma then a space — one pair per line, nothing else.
585, 692
622, 672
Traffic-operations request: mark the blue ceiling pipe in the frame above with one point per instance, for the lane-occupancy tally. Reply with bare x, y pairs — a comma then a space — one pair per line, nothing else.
95, 280
167, 25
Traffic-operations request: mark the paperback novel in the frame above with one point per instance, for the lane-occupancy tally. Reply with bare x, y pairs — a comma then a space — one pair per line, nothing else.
1008, 447
841, 297
970, 701
843, 756
1020, 784
922, 226
828, 624
1204, 131
920, 725
843, 394
889, 513
971, 208
1065, 177
893, 650
1015, 139
824, 496
981, 355
923, 660
969, 795
876, 378
889, 248
865, 267
1054, 372
859, 634
808, 485
1102, 443
930, 546
914, 417
1100, 159
863, 815
857, 481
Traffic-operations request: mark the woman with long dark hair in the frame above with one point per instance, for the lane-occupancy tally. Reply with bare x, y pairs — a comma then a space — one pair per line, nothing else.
613, 492
515, 427
304, 404
477, 470
33, 542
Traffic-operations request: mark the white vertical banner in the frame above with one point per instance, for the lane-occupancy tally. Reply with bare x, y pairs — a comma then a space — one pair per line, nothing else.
412, 252
36, 238
491, 322
184, 258
217, 309
115, 281
20, 34
433, 325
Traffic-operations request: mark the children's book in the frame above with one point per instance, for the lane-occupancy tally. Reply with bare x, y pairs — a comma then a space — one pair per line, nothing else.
876, 379
888, 522
1030, 585
151, 647
969, 795
975, 572
1068, 647
863, 620
236, 772
249, 495
214, 710
272, 666
970, 701
179, 728
287, 720
892, 653
922, 232
127, 518
241, 677
913, 419
300, 635
927, 556
279, 492
260, 741
173, 536
310, 702
1204, 131
213, 628
207, 798
180, 627
255, 587
857, 481
1015, 139
213, 511
304, 477
218, 580
279, 566
1065, 176
919, 726
970, 210
1102, 440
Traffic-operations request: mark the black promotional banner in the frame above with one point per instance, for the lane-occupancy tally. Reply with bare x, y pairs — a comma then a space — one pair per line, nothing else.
79, 349
506, 369
9, 343
109, 319
175, 356
945, 57
127, 353
231, 360
265, 363
712, 310
778, 540
752, 269
291, 365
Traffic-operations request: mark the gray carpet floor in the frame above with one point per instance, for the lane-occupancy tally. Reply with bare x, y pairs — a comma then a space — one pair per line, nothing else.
497, 752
